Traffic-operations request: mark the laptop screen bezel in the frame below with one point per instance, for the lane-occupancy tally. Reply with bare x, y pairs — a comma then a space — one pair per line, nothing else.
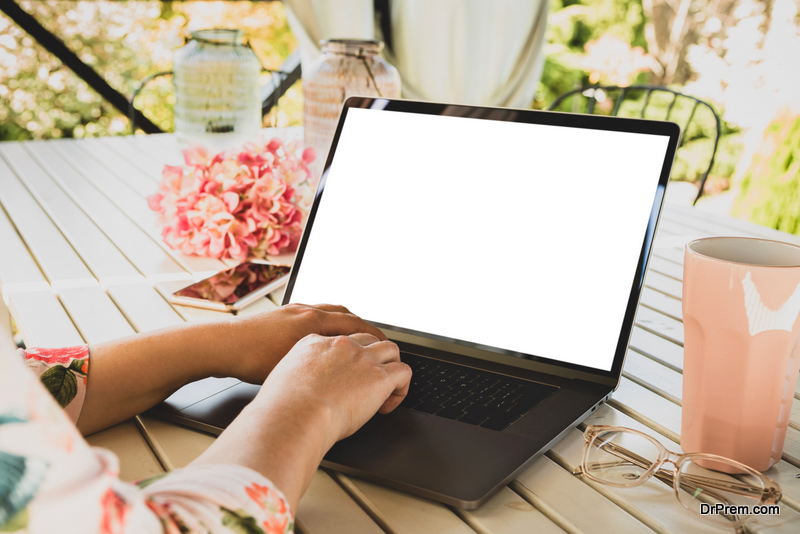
594, 122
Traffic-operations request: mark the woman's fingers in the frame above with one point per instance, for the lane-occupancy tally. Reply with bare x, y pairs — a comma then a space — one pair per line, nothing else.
399, 377
387, 354
344, 323
332, 308
364, 339
382, 351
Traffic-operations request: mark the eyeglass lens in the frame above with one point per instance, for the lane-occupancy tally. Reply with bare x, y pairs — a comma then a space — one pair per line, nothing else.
620, 458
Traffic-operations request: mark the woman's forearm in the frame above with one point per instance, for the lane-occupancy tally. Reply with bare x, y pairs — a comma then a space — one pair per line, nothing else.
130, 375
283, 441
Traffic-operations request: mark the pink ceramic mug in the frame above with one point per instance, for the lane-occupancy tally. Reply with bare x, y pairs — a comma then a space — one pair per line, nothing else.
741, 303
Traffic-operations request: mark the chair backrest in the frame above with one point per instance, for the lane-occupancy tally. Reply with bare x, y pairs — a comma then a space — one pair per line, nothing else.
696, 117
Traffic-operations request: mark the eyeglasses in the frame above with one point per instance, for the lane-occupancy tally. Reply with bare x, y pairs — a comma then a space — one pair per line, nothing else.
713, 487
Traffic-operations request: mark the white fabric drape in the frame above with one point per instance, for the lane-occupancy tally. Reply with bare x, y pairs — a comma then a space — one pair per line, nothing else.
461, 51
314, 20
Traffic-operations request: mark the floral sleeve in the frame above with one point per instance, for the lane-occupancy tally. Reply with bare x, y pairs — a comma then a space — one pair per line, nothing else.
51, 480
63, 373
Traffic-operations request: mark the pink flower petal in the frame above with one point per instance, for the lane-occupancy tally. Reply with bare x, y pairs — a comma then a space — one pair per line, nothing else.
196, 156
232, 200
154, 202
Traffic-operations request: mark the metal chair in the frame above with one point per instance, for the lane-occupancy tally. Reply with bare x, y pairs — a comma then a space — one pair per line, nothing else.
638, 101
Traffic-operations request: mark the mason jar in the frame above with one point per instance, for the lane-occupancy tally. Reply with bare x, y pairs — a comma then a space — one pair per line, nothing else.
347, 67
216, 88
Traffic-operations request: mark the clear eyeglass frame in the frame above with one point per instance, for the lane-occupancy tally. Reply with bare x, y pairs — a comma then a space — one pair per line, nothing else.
766, 492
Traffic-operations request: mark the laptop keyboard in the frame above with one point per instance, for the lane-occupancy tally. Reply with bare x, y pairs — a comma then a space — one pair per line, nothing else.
469, 395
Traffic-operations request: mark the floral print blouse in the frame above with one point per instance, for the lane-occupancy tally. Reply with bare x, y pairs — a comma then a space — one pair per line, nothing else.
51, 480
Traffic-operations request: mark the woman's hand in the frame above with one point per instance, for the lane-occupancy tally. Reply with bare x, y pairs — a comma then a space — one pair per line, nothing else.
348, 377
322, 391
258, 342
130, 375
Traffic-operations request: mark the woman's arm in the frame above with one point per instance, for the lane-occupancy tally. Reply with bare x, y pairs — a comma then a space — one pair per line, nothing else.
323, 391
130, 375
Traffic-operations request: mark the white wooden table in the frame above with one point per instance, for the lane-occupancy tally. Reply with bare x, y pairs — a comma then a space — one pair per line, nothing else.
81, 261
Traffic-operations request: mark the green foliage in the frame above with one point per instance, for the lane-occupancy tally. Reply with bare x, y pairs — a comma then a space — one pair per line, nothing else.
770, 190
574, 23
141, 484
240, 522
61, 383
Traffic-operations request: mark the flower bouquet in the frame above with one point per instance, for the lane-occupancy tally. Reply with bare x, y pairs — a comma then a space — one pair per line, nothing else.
238, 203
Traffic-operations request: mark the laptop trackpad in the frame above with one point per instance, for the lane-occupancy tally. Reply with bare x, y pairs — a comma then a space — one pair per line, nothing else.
445, 456
376, 435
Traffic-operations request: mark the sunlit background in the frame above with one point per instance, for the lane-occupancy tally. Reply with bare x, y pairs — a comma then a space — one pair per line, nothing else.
743, 56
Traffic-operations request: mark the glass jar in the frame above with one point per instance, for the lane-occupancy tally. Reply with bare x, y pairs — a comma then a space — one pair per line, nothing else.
347, 67
217, 97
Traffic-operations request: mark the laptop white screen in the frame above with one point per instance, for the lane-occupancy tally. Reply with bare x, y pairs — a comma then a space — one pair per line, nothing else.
523, 237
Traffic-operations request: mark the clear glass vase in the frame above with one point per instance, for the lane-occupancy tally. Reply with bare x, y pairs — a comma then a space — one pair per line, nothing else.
347, 67
217, 99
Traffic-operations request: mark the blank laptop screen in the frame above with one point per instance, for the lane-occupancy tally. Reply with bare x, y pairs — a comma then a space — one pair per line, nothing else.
523, 237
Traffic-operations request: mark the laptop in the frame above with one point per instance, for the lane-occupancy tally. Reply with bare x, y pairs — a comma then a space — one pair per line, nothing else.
504, 251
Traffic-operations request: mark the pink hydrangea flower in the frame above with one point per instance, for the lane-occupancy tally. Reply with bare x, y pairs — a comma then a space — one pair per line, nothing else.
236, 203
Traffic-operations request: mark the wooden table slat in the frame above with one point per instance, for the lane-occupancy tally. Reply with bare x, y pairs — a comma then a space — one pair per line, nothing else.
665, 304
654, 376
326, 508
672, 254
660, 324
665, 267
509, 513
664, 284
17, 267
707, 228
142, 251
568, 497
138, 460
401, 513
96, 159
148, 166
698, 218
93, 246
55, 256
42, 320
143, 307
657, 348
165, 148
96, 316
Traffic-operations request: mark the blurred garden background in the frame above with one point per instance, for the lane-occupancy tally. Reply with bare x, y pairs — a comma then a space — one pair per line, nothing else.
743, 56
